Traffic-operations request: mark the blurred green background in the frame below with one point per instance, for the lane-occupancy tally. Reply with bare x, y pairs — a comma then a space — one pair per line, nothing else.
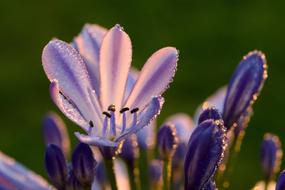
212, 37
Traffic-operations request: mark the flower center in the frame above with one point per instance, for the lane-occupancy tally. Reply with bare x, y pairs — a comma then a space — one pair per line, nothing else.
110, 120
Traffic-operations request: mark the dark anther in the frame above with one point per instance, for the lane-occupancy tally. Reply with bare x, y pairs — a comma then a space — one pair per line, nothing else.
107, 114
134, 110
124, 109
112, 108
91, 123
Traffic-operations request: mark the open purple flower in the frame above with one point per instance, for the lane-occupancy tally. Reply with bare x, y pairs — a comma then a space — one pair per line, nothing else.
89, 83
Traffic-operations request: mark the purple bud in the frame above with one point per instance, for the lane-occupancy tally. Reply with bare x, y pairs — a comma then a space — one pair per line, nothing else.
271, 155
211, 185
210, 113
243, 121
54, 132
155, 171
205, 151
244, 86
83, 164
101, 175
166, 141
280, 185
179, 154
73, 183
130, 150
184, 127
56, 166
146, 136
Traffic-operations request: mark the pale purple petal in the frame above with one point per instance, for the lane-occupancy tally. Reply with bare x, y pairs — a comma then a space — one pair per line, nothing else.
15, 176
132, 78
215, 100
95, 140
66, 107
88, 43
145, 117
184, 126
114, 65
63, 63
154, 77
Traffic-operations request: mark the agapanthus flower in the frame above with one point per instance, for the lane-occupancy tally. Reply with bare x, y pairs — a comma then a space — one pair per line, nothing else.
89, 83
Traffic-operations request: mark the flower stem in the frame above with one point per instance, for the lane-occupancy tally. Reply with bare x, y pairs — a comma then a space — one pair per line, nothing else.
167, 173
231, 162
111, 173
143, 164
134, 176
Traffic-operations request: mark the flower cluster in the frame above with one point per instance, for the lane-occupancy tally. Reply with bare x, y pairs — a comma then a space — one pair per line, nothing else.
121, 147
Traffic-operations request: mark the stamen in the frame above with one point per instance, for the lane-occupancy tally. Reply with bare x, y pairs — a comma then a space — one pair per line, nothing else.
135, 116
105, 125
91, 125
123, 110
112, 109
134, 110
107, 114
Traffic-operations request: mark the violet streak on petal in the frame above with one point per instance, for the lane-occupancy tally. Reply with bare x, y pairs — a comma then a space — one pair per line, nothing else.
56, 166
154, 77
244, 87
68, 108
55, 132
210, 113
83, 164
114, 65
62, 63
88, 43
280, 185
271, 155
131, 81
205, 152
